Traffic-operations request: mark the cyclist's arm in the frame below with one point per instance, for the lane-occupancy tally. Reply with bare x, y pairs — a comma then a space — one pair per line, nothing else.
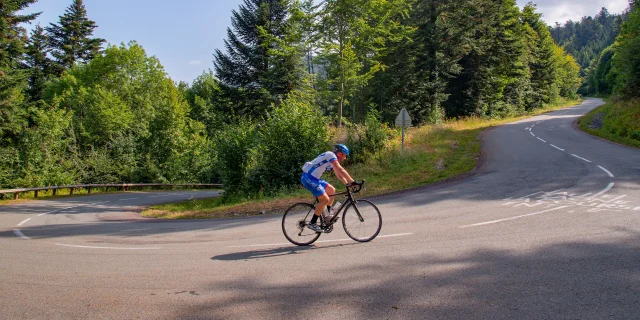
341, 173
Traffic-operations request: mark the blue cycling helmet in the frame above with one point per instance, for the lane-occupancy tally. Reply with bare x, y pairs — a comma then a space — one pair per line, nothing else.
342, 148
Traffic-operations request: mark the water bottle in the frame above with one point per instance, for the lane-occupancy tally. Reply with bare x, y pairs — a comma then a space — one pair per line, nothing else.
334, 209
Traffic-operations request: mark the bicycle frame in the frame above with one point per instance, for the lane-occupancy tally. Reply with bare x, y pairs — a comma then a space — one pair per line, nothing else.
350, 199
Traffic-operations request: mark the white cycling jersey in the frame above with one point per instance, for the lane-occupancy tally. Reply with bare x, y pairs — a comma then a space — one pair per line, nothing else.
320, 164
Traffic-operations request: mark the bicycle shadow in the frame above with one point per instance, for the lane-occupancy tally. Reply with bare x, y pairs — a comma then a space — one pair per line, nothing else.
274, 252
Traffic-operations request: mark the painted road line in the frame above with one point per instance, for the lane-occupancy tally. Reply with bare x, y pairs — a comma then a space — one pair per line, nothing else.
319, 241
607, 171
129, 199
557, 148
603, 191
112, 248
541, 140
20, 234
512, 218
23, 222
532, 134
581, 158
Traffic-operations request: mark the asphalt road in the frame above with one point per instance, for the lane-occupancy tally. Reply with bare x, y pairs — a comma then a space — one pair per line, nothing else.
548, 227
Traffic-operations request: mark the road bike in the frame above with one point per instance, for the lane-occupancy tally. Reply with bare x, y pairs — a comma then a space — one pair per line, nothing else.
361, 219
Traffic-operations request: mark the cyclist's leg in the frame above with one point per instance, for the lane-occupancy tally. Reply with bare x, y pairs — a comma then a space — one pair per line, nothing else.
317, 188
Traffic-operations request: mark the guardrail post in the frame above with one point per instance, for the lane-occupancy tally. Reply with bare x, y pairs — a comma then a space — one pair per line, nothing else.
15, 195
54, 192
71, 191
89, 190
35, 193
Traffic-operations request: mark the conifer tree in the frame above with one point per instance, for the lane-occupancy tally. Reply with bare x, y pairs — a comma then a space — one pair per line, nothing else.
541, 60
71, 39
12, 77
39, 64
262, 63
493, 71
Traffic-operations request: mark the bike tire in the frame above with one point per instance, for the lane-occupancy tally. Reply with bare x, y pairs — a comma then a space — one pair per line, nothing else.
367, 229
294, 224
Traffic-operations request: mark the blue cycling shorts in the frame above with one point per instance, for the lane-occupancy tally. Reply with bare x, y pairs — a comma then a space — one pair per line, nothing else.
313, 184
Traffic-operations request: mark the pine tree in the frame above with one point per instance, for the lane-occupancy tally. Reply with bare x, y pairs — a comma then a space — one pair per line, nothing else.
71, 40
260, 65
493, 76
12, 77
541, 62
39, 64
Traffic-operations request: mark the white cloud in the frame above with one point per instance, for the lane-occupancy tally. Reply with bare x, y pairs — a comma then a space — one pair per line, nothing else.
195, 62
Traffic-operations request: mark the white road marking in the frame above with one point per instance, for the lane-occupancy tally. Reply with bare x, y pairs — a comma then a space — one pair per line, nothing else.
581, 158
20, 234
557, 148
603, 191
129, 199
113, 248
541, 140
23, 222
319, 241
607, 171
532, 134
513, 218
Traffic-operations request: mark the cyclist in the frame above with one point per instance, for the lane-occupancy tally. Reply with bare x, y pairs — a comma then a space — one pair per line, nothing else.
312, 172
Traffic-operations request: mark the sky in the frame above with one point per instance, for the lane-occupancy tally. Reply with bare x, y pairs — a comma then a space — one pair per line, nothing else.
183, 35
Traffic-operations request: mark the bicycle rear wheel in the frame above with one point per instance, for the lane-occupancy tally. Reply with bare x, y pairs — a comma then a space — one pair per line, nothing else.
294, 224
362, 221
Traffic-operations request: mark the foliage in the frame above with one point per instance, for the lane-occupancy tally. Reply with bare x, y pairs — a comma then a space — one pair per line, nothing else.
626, 60
294, 133
235, 150
124, 98
71, 38
367, 139
262, 59
12, 76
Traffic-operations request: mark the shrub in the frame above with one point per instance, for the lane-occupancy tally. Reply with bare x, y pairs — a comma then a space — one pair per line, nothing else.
294, 133
367, 139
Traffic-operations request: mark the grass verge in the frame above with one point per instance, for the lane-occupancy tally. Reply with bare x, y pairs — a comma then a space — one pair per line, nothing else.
432, 153
617, 121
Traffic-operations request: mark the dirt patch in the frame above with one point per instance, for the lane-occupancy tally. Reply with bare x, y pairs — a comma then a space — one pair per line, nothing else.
597, 121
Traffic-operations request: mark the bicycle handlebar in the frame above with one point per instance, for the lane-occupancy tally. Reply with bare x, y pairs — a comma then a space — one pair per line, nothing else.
356, 186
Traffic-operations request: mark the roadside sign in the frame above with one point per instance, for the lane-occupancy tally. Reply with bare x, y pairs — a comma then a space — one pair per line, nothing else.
403, 120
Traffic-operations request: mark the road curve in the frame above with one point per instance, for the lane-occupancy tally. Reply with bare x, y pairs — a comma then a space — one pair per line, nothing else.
548, 227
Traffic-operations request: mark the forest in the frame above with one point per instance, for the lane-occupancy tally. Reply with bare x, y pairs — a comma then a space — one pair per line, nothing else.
293, 78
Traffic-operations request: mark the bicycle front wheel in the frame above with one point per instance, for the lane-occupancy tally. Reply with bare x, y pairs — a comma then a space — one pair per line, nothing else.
295, 222
362, 221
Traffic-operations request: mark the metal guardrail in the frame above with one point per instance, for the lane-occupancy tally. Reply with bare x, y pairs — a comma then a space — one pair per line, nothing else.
121, 186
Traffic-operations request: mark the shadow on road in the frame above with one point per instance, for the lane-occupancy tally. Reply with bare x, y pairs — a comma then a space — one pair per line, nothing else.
570, 280
273, 252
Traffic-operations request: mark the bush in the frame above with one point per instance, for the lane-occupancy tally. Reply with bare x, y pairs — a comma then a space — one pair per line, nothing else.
235, 149
294, 133
367, 139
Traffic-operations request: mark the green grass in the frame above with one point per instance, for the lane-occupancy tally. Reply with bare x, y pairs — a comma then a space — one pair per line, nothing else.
432, 153
617, 121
